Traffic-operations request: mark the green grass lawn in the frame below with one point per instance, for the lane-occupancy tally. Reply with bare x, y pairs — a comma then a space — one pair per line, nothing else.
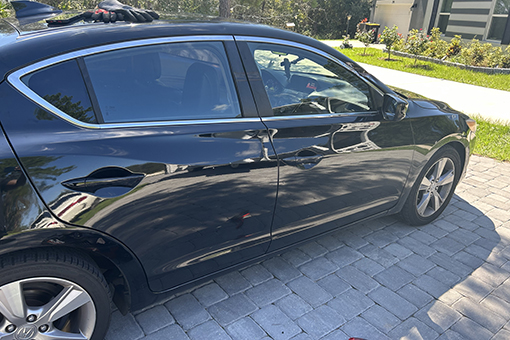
493, 139
376, 57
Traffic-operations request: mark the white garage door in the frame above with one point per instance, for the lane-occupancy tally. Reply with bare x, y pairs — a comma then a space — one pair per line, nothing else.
393, 14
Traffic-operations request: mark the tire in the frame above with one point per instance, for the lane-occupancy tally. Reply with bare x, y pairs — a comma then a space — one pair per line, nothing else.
431, 193
49, 294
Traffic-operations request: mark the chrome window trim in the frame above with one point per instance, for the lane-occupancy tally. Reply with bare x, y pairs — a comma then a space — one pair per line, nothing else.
309, 49
15, 80
321, 116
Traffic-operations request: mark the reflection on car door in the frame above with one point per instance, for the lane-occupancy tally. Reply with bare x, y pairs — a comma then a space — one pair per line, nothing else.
176, 172
339, 161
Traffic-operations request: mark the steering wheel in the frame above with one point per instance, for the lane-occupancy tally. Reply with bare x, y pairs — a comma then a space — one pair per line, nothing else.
272, 85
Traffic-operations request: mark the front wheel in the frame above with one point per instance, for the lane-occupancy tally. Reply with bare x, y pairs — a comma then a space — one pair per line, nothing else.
434, 188
50, 295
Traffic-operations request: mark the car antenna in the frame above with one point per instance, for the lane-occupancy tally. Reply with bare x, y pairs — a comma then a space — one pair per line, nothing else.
28, 12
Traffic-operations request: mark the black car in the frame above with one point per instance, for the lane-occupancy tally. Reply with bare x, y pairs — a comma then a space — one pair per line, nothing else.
139, 159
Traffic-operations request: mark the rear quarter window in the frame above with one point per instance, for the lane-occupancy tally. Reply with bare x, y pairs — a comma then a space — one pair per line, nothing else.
62, 85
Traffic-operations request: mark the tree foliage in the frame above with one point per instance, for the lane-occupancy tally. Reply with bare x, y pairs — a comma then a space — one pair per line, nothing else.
325, 19
366, 37
389, 37
416, 43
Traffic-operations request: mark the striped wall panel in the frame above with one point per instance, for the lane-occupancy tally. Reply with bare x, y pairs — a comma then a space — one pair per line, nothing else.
469, 18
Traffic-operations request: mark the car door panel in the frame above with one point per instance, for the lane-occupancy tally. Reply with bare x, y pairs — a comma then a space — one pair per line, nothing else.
329, 179
335, 167
201, 198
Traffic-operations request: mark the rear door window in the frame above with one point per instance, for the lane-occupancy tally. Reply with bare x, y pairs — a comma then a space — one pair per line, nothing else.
176, 81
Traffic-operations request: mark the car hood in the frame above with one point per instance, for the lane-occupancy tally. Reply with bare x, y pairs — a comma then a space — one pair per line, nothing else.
422, 101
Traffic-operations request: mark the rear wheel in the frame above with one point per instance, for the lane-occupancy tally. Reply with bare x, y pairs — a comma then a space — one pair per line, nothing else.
434, 188
52, 295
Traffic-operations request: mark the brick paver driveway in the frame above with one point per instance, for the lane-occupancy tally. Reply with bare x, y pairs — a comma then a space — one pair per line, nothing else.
378, 280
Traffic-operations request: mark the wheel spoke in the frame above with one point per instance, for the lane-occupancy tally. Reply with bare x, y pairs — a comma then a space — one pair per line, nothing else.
438, 200
5, 336
12, 302
425, 184
439, 167
422, 206
446, 178
59, 335
64, 303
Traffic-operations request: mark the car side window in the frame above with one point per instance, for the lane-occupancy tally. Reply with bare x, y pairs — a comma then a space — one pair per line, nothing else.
176, 81
300, 82
62, 86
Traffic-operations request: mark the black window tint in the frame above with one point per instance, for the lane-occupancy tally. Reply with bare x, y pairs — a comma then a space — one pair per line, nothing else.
300, 82
62, 85
176, 81
502, 7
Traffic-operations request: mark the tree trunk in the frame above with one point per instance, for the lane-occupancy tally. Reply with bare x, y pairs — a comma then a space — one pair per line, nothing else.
225, 8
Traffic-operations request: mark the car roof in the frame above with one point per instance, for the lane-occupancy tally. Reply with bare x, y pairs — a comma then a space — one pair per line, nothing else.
24, 45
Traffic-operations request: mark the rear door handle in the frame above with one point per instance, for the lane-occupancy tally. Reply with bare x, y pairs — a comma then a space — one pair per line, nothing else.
131, 181
303, 162
108, 177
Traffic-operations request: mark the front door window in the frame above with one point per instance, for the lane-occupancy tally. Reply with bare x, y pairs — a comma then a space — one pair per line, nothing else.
299, 82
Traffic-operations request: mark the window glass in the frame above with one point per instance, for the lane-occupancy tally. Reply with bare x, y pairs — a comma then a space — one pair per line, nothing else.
175, 81
62, 85
502, 7
497, 28
443, 22
301, 82
446, 7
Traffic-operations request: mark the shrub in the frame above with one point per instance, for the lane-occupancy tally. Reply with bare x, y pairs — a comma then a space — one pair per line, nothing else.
436, 47
454, 47
366, 37
505, 58
494, 57
389, 37
400, 44
4, 9
416, 43
345, 42
475, 54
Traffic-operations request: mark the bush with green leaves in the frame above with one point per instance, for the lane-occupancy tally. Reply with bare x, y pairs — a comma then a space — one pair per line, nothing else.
366, 37
436, 47
4, 9
400, 44
389, 37
505, 59
475, 53
416, 43
346, 43
454, 48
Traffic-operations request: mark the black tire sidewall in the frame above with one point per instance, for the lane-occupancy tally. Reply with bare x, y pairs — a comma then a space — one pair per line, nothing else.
94, 285
409, 211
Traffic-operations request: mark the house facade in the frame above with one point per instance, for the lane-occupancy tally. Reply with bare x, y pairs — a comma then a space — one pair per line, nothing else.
487, 20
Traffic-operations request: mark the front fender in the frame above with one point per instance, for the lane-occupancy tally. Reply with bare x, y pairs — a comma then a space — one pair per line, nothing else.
432, 131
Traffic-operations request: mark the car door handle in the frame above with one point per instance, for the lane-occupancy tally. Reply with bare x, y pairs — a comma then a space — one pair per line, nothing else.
303, 162
130, 181
105, 178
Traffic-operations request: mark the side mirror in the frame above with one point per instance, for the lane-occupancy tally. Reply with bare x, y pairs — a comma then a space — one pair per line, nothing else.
394, 108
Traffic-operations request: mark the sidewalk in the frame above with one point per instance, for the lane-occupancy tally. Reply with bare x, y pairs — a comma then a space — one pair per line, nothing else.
470, 99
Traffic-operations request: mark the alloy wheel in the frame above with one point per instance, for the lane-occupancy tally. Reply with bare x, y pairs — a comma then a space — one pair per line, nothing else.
45, 308
435, 187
